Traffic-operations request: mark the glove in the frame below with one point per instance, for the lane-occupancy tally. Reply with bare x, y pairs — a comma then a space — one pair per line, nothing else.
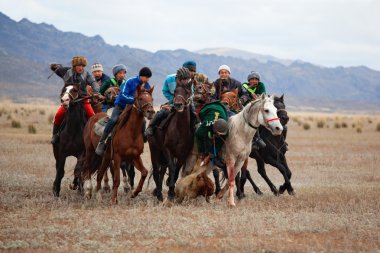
55, 66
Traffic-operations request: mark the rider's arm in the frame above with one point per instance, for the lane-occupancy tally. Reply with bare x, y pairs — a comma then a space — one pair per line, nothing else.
126, 91
168, 89
61, 71
105, 86
91, 81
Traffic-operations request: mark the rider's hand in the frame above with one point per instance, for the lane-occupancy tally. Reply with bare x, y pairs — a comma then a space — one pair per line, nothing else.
99, 96
54, 66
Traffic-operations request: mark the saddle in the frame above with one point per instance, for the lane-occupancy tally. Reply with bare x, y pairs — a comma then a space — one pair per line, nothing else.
101, 124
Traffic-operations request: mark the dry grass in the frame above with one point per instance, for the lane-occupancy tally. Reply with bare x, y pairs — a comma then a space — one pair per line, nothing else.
335, 209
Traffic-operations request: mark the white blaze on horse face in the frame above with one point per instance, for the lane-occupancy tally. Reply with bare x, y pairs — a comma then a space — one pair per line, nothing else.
269, 117
65, 99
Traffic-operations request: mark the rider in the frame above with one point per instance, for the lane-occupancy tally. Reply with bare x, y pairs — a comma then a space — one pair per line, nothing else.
119, 71
183, 77
98, 74
212, 131
251, 91
224, 82
74, 75
125, 98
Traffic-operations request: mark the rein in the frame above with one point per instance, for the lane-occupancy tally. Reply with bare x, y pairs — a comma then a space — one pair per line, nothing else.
140, 107
261, 109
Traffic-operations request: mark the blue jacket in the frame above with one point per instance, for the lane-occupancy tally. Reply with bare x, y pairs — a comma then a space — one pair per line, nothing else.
169, 87
128, 90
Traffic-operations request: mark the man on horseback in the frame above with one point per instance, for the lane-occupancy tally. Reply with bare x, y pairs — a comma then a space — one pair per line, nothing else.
182, 77
74, 75
251, 91
125, 98
119, 72
98, 74
224, 82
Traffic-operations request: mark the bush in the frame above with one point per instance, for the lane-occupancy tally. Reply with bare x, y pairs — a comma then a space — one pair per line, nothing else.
378, 127
321, 123
16, 124
337, 125
359, 130
306, 126
42, 112
344, 125
51, 118
32, 129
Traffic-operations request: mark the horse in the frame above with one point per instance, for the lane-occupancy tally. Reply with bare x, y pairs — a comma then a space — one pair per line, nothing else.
242, 127
126, 144
71, 136
273, 153
170, 145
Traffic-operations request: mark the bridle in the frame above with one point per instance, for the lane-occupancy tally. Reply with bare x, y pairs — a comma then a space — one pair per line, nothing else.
182, 98
261, 110
140, 107
232, 104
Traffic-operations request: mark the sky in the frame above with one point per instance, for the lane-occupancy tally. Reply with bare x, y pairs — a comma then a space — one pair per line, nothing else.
324, 32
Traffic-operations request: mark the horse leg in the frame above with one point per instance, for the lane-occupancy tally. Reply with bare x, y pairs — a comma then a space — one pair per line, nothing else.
239, 194
231, 182
60, 172
116, 177
263, 173
278, 164
215, 172
131, 175
288, 173
255, 187
124, 167
172, 172
106, 186
137, 162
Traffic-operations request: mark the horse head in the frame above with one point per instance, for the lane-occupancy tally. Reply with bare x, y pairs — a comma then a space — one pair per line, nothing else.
202, 89
267, 115
69, 93
144, 101
181, 97
231, 100
281, 112
111, 94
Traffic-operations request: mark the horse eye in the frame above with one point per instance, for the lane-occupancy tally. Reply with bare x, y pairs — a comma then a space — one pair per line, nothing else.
266, 111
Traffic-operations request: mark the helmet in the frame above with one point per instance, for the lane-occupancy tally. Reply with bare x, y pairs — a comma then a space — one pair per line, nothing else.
79, 61
220, 127
183, 73
96, 67
253, 74
117, 68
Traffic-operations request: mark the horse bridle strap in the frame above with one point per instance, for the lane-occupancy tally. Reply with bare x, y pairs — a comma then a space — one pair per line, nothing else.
140, 107
82, 98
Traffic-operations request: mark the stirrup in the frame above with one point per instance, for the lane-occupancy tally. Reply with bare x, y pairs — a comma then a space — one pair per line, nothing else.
100, 148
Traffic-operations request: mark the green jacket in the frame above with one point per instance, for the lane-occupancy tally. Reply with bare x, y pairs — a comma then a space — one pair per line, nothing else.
245, 93
208, 114
109, 83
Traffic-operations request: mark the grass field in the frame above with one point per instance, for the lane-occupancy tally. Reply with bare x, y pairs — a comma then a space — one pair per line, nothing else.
335, 163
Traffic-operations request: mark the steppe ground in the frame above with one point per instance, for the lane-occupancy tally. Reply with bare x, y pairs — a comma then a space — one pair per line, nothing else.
335, 163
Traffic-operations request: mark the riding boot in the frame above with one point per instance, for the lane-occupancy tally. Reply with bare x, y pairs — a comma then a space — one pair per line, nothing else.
158, 118
258, 143
55, 137
101, 145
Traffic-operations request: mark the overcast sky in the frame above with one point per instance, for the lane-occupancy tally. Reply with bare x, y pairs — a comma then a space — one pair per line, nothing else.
324, 32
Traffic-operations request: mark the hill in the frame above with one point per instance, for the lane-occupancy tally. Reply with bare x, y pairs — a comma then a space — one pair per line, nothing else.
27, 49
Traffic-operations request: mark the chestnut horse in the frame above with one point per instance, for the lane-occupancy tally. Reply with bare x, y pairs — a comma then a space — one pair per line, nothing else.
126, 145
96, 104
170, 145
71, 136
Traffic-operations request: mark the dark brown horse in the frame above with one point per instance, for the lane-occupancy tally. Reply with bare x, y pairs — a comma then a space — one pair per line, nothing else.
172, 142
127, 144
71, 136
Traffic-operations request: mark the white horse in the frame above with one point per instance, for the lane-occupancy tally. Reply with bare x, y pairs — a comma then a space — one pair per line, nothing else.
242, 127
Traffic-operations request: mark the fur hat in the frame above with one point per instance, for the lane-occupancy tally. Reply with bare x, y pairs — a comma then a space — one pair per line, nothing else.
253, 74
224, 67
145, 71
117, 68
79, 61
96, 67
191, 65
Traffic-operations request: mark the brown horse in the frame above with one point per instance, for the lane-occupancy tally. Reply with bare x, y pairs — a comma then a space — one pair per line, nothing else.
127, 144
96, 104
170, 145
231, 100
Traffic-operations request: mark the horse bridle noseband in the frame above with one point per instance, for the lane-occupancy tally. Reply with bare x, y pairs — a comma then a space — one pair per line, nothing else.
140, 107
261, 109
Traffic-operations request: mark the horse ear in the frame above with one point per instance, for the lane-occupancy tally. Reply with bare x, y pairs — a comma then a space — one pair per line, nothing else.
236, 91
282, 97
151, 90
263, 96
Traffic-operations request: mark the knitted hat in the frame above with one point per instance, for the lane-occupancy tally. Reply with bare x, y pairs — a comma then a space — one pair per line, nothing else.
145, 71
253, 74
224, 67
79, 61
191, 65
117, 68
96, 67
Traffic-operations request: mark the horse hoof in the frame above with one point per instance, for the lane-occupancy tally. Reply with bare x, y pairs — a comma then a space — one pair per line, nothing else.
73, 187
134, 194
107, 189
291, 193
168, 203
114, 201
127, 189
231, 205
154, 192
87, 196
259, 193
99, 197
281, 190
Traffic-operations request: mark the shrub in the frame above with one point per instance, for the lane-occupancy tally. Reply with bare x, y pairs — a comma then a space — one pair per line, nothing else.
337, 125
16, 124
358, 129
344, 125
321, 123
32, 129
42, 112
51, 118
378, 127
306, 126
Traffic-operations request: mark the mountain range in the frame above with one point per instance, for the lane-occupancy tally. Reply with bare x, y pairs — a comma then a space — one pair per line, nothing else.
27, 49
